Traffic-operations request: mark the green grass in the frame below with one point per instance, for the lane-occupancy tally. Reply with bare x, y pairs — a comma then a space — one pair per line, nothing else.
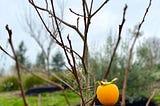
52, 99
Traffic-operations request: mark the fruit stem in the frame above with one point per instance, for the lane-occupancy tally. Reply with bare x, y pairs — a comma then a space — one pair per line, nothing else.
106, 83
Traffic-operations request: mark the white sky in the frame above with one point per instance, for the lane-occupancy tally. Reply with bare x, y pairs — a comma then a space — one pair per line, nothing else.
107, 19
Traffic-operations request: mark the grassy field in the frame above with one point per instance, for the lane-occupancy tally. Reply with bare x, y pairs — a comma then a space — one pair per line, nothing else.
46, 99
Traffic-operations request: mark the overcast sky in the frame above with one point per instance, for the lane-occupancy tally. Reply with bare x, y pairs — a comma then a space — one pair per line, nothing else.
12, 11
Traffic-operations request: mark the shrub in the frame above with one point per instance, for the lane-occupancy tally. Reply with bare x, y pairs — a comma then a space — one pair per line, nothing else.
65, 76
59, 74
9, 83
32, 81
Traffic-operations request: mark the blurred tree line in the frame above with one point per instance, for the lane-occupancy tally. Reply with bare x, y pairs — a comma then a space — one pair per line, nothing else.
143, 71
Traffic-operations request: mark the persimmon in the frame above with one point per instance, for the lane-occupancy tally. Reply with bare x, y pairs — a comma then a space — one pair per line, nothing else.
107, 93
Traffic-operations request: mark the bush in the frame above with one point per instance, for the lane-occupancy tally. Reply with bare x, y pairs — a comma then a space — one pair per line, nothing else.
32, 81
65, 76
9, 83
59, 74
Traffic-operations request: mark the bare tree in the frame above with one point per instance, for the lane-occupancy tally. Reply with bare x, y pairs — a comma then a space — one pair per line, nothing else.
41, 37
70, 53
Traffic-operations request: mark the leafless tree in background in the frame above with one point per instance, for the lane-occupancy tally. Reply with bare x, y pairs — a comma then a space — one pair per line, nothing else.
36, 30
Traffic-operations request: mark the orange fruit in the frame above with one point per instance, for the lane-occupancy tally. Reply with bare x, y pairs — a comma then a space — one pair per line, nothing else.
108, 94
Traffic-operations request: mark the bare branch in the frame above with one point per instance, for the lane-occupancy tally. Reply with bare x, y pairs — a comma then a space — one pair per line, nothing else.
150, 98
118, 41
114, 51
9, 32
74, 70
52, 14
91, 6
130, 56
17, 65
1, 48
75, 13
49, 12
86, 6
74, 90
78, 22
72, 55
84, 14
105, 2
46, 4
38, 7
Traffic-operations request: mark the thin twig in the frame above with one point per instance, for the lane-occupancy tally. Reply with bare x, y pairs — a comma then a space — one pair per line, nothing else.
91, 6
150, 98
1, 48
65, 23
61, 43
60, 35
130, 56
17, 66
57, 77
114, 51
118, 41
105, 2
84, 14
38, 7
46, 4
75, 13
49, 12
74, 70
86, 6
78, 22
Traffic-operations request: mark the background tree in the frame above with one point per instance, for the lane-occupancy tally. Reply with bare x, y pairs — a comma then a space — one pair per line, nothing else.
138, 70
58, 62
149, 52
21, 54
100, 58
40, 60
1, 72
37, 31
